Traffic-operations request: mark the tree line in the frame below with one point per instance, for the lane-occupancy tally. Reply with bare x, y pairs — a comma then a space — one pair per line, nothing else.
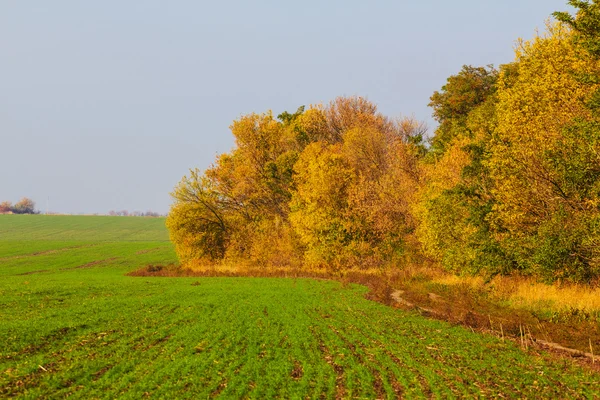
508, 183
23, 206
125, 213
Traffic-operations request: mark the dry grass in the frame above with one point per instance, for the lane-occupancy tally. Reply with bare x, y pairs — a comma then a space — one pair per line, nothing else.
526, 293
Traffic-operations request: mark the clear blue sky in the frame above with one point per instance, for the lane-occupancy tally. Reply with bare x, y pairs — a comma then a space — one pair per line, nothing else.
106, 105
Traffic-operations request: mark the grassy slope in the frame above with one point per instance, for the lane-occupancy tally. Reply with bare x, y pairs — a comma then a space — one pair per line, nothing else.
72, 325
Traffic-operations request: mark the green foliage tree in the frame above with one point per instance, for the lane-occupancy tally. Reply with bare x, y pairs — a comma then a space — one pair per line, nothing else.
456, 198
461, 94
585, 23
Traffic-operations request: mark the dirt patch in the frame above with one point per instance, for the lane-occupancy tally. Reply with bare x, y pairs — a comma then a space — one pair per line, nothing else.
160, 341
146, 251
39, 271
98, 374
215, 393
297, 371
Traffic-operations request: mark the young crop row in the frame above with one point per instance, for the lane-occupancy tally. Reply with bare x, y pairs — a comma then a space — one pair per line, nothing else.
259, 338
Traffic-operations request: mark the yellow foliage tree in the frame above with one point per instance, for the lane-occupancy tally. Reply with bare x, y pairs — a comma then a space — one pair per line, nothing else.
540, 215
351, 203
319, 204
222, 213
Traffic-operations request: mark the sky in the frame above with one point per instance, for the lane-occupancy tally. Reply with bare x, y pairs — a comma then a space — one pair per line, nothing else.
106, 105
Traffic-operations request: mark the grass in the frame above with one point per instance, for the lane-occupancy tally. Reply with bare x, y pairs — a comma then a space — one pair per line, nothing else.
526, 293
30, 228
72, 323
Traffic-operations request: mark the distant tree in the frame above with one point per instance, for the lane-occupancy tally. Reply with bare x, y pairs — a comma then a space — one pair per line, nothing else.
24, 206
5, 207
125, 213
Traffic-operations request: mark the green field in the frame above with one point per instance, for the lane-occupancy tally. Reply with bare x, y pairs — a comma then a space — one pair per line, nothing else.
73, 324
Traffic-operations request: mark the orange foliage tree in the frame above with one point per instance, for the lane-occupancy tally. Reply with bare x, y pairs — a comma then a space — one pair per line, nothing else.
327, 186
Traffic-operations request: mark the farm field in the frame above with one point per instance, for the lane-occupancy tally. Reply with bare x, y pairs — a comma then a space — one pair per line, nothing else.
72, 323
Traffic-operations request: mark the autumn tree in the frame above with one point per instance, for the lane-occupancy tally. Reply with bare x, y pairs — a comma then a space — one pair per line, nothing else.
350, 203
320, 202
5, 207
544, 159
196, 221
232, 209
24, 206
326, 186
